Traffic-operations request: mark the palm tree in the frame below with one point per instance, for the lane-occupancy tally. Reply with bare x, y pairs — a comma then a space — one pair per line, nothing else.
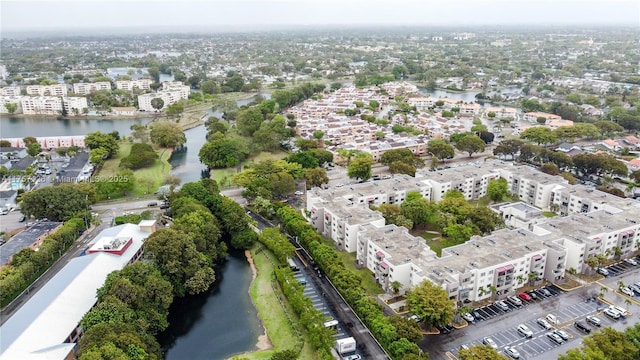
603, 290
532, 277
482, 291
520, 279
621, 284
493, 291
617, 252
628, 303
395, 287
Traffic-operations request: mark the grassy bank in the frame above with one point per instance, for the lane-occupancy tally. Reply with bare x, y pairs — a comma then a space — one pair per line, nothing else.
148, 180
272, 313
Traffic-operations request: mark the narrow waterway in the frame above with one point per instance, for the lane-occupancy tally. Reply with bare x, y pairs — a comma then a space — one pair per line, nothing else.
217, 324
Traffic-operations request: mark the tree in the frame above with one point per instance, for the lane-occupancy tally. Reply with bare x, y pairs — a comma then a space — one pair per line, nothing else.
167, 134
174, 110
157, 103
497, 189
222, 152
607, 344
34, 149
406, 328
316, 177
360, 168
57, 203
431, 303
480, 352
98, 139
141, 155
11, 107
416, 209
441, 149
470, 144
248, 121
271, 134
177, 258
304, 158
539, 135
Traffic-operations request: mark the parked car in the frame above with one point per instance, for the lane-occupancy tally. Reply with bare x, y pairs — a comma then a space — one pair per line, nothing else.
582, 327
632, 262
415, 318
543, 292
544, 323
603, 271
552, 319
625, 290
524, 330
512, 352
489, 341
612, 313
525, 296
502, 305
468, 317
623, 312
635, 288
153, 203
352, 357
533, 294
376, 177
23, 218
299, 192
553, 336
515, 301
593, 320
563, 334
477, 315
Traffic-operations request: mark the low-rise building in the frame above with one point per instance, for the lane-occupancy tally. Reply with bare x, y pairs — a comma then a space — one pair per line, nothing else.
75, 105
11, 91
88, 88
41, 105
47, 90
131, 85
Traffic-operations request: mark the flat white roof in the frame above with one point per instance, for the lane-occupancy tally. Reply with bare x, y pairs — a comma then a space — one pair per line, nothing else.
40, 327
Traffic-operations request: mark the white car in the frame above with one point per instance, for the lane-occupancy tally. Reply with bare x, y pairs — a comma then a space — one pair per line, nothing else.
512, 352
625, 290
468, 317
563, 334
299, 193
524, 330
502, 305
555, 337
552, 319
621, 311
594, 320
612, 313
489, 341
631, 262
544, 323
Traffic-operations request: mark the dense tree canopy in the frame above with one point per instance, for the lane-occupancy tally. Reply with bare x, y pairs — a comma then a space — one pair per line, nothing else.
223, 152
167, 134
471, 144
108, 142
58, 203
360, 168
441, 149
431, 303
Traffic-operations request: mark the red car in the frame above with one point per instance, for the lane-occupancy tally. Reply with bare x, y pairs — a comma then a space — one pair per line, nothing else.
524, 296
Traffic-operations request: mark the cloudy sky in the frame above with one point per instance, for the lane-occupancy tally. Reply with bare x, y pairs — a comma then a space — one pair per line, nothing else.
24, 15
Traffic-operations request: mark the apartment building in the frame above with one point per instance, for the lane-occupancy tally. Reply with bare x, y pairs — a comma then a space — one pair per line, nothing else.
41, 105
533, 116
131, 85
500, 263
169, 97
11, 91
510, 113
75, 105
88, 88
47, 90
10, 100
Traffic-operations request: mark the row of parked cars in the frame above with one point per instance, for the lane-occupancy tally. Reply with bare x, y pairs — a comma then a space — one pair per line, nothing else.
618, 268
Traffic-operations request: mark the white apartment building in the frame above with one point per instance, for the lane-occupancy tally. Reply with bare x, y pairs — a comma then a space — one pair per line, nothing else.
171, 94
502, 262
11, 91
10, 100
41, 105
47, 90
88, 88
130, 85
75, 105
533, 116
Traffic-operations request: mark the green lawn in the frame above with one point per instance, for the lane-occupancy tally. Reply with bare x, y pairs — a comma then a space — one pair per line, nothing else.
548, 214
148, 180
274, 318
366, 279
438, 245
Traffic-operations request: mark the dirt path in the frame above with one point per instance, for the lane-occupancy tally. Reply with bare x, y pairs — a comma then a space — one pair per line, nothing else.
263, 340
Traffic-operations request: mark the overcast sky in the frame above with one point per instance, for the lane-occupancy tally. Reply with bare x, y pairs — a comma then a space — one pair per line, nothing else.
21, 15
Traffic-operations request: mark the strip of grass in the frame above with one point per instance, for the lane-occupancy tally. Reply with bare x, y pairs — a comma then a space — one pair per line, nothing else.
438, 245
271, 313
366, 278
548, 214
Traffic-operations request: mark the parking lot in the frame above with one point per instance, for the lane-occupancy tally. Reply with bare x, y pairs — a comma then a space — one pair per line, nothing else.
501, 326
